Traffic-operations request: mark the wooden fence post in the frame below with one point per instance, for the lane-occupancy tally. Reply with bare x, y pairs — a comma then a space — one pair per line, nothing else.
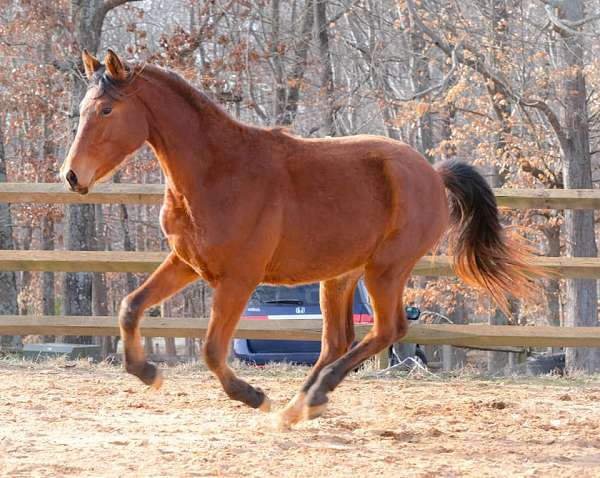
383, 359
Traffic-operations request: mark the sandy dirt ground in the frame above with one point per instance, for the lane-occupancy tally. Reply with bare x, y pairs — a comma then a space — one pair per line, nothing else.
63, 420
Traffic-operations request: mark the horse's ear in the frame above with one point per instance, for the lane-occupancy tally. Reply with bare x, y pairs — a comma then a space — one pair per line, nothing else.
114, 66
90, 63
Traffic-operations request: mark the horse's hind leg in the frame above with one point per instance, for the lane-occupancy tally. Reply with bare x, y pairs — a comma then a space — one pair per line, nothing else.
229, 301
171, 276
385, 288
336, 297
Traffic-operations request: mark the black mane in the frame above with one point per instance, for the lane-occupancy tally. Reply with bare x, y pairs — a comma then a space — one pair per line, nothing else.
108, 85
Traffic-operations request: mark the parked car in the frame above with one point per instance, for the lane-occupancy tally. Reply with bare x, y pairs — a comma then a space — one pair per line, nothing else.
301, 302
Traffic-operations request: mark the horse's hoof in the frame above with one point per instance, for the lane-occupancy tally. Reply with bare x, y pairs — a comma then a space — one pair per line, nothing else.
158, 381
266, 405
310, 413
292, 413
282, 422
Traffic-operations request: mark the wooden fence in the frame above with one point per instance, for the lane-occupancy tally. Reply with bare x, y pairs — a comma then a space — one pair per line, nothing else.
55, 193
479, 336
476, 336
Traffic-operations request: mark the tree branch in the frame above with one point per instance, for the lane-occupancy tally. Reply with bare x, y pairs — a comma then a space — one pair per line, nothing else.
62, 67
566, 25
103, 9
441, 84
499, 84
553, 3
551, 117
342, 12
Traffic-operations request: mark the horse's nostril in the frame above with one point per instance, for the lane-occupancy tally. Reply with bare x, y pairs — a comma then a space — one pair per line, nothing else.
71, 178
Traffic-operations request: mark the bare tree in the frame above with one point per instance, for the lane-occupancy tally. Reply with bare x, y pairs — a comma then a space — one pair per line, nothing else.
328, 89
571, 129
87, 16
8, 291
582, 295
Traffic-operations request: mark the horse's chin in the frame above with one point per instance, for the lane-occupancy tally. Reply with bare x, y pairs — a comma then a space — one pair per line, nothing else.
83, 190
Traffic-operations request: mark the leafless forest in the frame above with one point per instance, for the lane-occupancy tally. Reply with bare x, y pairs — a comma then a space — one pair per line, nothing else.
511, 86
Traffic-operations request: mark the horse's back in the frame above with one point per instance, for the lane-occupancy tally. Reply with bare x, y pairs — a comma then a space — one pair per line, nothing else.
365, 176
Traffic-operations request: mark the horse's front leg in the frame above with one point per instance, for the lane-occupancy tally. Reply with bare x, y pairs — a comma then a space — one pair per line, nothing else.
172, 275
229, 301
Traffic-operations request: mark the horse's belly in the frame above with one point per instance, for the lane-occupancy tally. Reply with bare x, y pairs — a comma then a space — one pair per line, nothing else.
315, 257
324, 236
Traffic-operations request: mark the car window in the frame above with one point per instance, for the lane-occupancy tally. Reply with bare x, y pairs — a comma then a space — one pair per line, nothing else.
300, 295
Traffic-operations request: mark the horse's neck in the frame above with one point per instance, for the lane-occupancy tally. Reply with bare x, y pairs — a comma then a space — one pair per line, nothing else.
189, 142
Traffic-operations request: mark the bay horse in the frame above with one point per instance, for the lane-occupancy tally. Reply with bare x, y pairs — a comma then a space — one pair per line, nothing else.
246, 205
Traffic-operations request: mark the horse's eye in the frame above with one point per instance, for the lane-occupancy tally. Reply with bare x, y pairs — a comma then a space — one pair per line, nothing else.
106, 110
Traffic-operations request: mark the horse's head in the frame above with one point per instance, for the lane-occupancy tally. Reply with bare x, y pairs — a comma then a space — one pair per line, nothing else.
112, 123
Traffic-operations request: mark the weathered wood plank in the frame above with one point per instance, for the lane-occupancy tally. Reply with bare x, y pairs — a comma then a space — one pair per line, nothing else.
548, 198
561, 267
503, 335
57, 193
309, 329
80, 261
109, 193
122, 261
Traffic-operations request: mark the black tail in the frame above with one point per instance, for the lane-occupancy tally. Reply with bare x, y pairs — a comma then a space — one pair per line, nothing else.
483, 255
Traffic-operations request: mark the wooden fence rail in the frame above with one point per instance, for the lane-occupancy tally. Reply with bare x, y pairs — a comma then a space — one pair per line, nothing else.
111, 193
308, 329
56, 193
147, 261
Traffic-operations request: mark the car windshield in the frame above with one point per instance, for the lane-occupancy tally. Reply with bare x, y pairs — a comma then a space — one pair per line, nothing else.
301, 295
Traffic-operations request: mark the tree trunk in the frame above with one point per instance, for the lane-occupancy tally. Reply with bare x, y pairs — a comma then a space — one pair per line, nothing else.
166, 310
552, 287
421, 80
280, 88
80, 227
457, 355
499, 361
299, 67
47, 223
99, 287
190, 295
25, 292
87, 17
8, 291
329, 127
48, 292
581, 308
